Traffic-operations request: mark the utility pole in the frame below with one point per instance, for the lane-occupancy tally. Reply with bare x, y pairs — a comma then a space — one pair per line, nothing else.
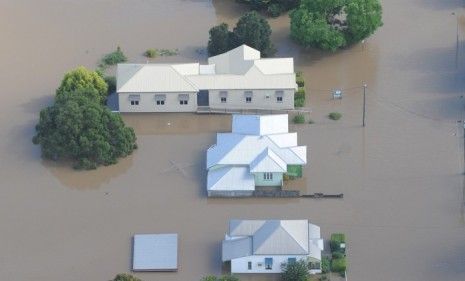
364, 103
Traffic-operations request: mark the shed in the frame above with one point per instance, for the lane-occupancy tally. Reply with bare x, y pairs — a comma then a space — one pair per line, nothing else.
155, 252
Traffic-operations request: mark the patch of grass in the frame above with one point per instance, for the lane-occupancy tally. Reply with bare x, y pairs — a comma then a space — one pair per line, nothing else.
334, 116
151, 53
299, 79
299, 119
113, 58
167, 52
294, 171
325, 264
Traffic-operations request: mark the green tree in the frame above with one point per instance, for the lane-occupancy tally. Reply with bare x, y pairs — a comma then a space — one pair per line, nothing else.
79, 129
81, 78
254, 31
295, 271
334, 24
220, 40
126, 277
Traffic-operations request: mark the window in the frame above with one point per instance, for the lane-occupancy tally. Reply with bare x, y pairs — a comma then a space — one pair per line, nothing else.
249, 265
268, 263
248, 96
223, 96
268, 176
279, 96
183, 99
134, 99
291, 260
160, 99
314, 265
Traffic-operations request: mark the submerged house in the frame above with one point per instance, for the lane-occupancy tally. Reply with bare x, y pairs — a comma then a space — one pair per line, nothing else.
257, 153
265, 246
237, 79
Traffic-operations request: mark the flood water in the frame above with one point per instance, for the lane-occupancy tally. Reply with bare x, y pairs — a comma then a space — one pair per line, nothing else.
401, 175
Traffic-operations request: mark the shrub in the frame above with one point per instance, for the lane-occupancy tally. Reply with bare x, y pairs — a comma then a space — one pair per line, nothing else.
228, 278
113, 58
151, 53
325, 264
299, 119
336, 240
167, 52
299, 102
337, 255
295, 271
209, 278
300, 81
338, 265
334, 116
126, 277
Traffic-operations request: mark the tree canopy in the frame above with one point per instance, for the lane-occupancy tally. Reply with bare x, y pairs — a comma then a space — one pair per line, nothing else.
334, 24
251, 29
79, 128
81, 78
295, 271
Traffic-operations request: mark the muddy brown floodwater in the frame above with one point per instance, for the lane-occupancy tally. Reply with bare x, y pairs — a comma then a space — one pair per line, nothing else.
402, 175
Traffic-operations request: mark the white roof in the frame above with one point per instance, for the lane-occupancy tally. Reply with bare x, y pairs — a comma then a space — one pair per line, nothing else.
260, 124
155, 252
240, 68
145, 78
272, 237
268, 161
230, 178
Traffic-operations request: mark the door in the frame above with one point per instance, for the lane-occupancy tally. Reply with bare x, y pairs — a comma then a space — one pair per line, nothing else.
202, 98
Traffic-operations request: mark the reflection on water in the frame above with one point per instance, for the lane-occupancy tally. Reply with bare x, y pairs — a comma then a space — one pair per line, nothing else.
91, 179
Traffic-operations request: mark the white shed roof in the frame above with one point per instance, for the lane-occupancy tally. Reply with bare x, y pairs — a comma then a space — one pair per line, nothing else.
155, 252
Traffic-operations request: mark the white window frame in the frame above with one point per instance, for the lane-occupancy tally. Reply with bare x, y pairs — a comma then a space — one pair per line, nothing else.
268, 176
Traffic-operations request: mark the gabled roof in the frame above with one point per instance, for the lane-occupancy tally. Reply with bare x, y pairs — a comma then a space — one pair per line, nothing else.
281, 237
273, 237
140, 78
268, 161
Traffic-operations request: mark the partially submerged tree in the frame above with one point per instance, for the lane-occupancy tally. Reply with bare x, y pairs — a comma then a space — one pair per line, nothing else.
220, 39
78, 129
80, 79
251, 29
333, 24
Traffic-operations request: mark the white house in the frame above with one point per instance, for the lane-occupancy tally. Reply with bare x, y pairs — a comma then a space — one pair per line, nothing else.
265, 246
237, 79
258, 152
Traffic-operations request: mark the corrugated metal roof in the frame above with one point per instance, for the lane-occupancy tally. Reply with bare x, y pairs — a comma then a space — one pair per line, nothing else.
260, 124
236, 248
151, 78
275, 237
268, 161
155, 252
230, 178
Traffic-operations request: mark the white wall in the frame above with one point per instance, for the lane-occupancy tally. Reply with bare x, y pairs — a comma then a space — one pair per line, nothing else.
147, 103
236, 100
240, 265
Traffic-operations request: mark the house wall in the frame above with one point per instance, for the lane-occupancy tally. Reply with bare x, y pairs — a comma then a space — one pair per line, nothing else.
236, 100
240, 265
276, 181
147, 103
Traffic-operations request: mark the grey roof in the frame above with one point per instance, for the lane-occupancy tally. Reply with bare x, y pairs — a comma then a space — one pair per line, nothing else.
274, 237
155, 252
236, 248
281, 237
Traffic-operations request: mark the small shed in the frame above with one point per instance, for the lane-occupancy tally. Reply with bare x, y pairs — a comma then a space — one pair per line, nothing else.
155, 252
